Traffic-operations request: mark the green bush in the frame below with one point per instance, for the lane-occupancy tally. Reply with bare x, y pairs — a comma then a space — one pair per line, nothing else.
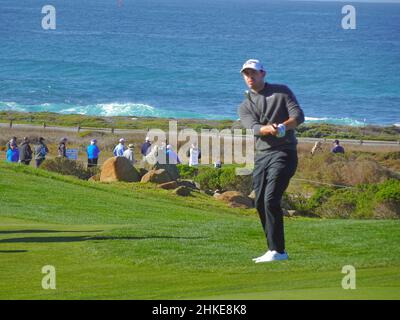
297, 202
365, 201
208, 178
68, 167
319, 197
342, 204
187, 172
224, 179
229, 181
389, 191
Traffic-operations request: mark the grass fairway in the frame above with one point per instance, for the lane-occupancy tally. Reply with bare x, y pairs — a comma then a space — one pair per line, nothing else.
132, 241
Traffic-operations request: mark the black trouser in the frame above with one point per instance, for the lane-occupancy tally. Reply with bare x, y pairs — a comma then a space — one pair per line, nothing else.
92, 162
272, 173
38, 162
26, 162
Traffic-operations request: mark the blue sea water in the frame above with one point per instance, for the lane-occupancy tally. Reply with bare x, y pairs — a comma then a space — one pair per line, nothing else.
181, 58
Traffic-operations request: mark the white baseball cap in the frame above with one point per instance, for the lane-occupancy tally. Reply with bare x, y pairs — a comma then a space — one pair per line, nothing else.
122, 140
252, 64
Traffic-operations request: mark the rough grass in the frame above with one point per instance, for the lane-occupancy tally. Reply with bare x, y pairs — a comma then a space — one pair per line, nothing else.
118, 241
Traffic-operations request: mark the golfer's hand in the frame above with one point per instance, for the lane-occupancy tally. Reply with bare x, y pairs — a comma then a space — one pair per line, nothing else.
270, 129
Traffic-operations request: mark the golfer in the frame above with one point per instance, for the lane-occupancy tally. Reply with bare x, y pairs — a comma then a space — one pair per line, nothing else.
273, 112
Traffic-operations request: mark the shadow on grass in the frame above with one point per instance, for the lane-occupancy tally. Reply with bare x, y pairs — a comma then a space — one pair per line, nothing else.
87, 238
45, 231
13, 251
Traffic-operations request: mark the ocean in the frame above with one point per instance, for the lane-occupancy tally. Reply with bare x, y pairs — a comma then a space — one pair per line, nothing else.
181, 58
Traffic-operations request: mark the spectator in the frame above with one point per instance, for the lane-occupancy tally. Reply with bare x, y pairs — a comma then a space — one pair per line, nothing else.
129, 153
217, 164
152, 157
13, 153
41, 151
172, 157
337, 148
194, 155
317, 147
93, 153
120, 148
25, 154
146, 147
13, 140
62, 148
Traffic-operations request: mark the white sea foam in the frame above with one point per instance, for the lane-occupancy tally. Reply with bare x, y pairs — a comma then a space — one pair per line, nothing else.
142, 110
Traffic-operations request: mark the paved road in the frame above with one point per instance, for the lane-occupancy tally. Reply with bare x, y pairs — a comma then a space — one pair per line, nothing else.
143, 132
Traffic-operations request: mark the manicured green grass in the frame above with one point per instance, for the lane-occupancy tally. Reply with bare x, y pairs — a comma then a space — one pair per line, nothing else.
133, 241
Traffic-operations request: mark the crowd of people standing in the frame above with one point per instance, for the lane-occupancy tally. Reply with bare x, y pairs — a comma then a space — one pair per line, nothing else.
24, 153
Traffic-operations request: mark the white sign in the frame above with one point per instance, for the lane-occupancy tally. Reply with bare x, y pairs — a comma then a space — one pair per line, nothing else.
72, 154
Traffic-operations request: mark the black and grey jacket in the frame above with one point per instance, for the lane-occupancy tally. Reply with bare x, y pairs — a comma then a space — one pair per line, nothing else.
273, 104
25, 152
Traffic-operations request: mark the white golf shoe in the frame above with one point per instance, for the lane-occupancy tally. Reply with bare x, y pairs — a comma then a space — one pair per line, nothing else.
268, 253
272, 256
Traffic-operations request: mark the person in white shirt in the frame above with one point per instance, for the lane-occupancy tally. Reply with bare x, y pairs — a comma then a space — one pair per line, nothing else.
194, 155
129, 153
120, 148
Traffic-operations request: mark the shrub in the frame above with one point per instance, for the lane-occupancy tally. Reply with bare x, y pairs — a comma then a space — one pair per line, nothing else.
68, 167
342, 204
298, 202
389, 191
319, 197
349, 170
231, 182
187, 172
209, 178
388, 200
224, 179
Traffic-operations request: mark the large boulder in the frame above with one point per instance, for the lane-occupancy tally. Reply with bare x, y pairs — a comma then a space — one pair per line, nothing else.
142, 172
118, 169
182, 191
188, 183
172, 169
235, 199
95, 177
159, 176
169, 185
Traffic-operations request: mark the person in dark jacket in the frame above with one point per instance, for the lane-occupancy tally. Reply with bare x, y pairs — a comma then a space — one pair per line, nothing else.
337, 148
25, 152
40, 151
273, 113
146, 147
62, 148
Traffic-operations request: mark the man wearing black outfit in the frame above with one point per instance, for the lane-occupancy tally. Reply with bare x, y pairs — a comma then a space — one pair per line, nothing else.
25, 154
273, 112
